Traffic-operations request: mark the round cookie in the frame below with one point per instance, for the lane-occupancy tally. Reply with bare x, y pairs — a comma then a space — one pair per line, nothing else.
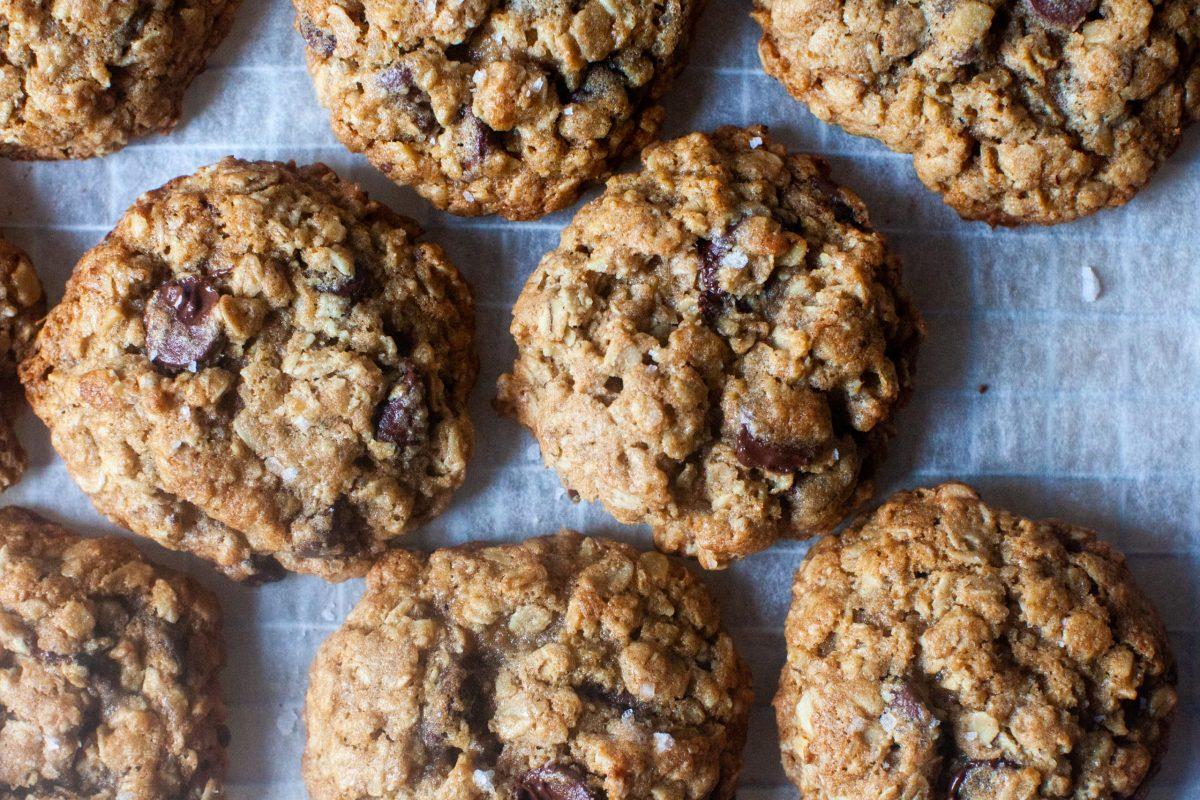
1015, 111
108, 671
261, 366
716, 347
22, 304
944, 650
82, 78
561, 667
492, 106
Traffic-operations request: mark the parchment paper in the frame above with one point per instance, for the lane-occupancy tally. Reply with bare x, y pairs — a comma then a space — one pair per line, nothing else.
1060, 375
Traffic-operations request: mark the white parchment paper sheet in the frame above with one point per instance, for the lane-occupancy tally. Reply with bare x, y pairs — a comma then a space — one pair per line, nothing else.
1091, 410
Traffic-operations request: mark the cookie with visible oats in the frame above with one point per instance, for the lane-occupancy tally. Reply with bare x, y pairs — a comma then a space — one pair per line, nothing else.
263, 367
495, 106
716, 347
108, 671
82, 78
940, 648
1015, 111
22, 304
559, 668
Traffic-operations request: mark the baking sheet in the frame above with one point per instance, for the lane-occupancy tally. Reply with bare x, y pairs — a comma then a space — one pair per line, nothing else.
1086, 337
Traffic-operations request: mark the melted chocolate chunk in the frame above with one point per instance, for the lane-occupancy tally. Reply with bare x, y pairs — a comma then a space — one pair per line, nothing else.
181, 332
340, 532
552, 783
403, 419
317, 40
754, 451
265, 569
964, 772
398, 82
713, 299
351, 287
1068, 14
832, 193
595, 693
480, 140
906, 701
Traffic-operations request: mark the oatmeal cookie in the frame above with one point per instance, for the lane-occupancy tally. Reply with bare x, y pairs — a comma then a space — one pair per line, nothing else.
495, 106
1015, 111
108, 671
22, 304
940, 648
263, 367
560, 668
716, 347
81, 78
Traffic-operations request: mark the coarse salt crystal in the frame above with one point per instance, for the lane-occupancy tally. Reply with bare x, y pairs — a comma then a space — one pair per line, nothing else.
1090, 290
470, 198
483, 780
538, 84
569, 111
735, 259
756, 143
663, 742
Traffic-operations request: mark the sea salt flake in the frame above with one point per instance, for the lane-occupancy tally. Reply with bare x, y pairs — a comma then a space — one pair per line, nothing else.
888, 721
483, 780
756, 142
663, 742
1090, 288
469, 197
735, 259
569, 111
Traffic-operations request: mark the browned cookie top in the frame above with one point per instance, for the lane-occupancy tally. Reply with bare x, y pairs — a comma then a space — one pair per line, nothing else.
716, 347
108, 671
495, 106
941, 649
1014, 110
264, 367
81, 78
560, 668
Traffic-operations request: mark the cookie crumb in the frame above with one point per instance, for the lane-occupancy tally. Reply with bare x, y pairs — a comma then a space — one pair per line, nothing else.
983, 388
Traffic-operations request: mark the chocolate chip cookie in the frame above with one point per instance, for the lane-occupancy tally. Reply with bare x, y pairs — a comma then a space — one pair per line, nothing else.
493, 106
22, 305
82, 78
108, 671
560, 668
263, 367
1015, 111
716, 347
940, 648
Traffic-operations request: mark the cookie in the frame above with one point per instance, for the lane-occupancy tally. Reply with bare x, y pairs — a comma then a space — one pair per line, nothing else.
940, 648
716, 347
81, 79
491, 106
560, 668
263, 367
108, 671
1015, 111
22, 304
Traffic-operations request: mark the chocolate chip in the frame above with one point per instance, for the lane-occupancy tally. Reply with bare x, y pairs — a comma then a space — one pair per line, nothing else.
479, 139
318, 40
832, 193
398, 82
754, 451
181, 332
403, 419
964, 772
552, 783
1068, 14
595, 693
713, 299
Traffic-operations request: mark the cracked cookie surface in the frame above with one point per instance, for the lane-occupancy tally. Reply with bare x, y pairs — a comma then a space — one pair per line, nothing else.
561, 667
716, 347
108, 671
22, 304
81, 78
1015, 111
494, 106
263, 367
942, 648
